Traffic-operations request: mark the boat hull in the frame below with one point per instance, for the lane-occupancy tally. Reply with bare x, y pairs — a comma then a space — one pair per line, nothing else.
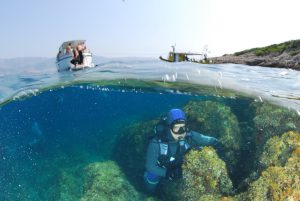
163, 59
63, 62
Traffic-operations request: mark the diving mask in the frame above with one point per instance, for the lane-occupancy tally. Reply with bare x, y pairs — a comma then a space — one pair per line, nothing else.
178, 129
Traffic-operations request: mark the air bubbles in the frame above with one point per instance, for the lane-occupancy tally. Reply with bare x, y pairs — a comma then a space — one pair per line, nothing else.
170, 78
167, 77
173, 78
220, 74
283, 73
187, 76
25, 93
259, 99
105, 89
220, 84
199, 72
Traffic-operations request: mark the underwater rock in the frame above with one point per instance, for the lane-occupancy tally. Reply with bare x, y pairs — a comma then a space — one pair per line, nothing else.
70, 184
106, 182
280, 178
130, 150
216, 119
279, 149
205, 176
271, 120
277, 183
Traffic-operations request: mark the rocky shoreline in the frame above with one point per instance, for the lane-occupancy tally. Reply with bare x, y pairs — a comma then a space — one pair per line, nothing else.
283, 55
280, 61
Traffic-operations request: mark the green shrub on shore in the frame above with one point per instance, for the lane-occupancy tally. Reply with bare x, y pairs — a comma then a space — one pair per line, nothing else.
292, 47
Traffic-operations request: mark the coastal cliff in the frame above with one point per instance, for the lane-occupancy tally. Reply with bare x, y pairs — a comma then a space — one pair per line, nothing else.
283, 55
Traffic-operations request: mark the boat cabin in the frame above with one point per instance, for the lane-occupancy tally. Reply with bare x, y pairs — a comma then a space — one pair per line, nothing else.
184, 56
68, 47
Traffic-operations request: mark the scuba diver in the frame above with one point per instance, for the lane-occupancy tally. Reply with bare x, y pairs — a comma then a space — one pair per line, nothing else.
166, 150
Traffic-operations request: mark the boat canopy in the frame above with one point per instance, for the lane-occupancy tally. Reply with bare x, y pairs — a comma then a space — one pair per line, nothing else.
74, 43
186, 53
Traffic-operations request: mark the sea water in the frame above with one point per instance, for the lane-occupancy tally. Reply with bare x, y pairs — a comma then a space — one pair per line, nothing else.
54, 125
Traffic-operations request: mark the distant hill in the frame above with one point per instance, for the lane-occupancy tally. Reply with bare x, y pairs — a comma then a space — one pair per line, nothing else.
27, 65
291, 47
284, 55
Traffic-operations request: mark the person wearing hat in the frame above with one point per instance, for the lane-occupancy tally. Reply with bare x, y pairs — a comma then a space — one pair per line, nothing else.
166, 150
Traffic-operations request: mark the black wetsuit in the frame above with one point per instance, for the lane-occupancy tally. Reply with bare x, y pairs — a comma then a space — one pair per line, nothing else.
80, 55
78, 59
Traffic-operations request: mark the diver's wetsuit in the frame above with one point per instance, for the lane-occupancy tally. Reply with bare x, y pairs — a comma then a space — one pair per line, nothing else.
155, 170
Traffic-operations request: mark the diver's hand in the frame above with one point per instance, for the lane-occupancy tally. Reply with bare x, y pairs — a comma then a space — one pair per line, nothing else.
214, 141
172, 174
218, 146
169, 174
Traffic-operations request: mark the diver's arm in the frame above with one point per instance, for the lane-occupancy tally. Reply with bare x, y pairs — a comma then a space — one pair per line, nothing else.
203, 140
151, 160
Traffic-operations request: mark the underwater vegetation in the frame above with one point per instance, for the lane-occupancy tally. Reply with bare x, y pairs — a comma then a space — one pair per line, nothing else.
95, 181
278, 150
270, 120
217, 120
205, 176
131, 159
105, 181
280, 178
70, 183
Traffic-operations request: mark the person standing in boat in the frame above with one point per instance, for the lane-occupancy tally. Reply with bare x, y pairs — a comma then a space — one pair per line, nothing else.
80, 51
74, 61
69, 48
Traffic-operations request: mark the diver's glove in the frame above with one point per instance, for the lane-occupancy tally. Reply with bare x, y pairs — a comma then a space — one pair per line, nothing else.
218, 147
166, 162
174, 173
214, 141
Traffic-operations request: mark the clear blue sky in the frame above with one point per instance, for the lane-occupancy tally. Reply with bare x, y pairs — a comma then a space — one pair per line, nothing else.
145, 27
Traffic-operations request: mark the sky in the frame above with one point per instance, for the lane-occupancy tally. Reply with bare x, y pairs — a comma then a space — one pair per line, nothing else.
145, 28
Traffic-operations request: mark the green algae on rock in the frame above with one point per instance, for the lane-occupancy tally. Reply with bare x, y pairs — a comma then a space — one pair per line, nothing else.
216, 119
204, 176
271, 120
106, 182
70, 184
280, 178
277, 183
132, 159
278, 150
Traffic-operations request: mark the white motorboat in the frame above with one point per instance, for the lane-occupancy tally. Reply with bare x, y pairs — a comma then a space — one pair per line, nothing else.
67, 59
